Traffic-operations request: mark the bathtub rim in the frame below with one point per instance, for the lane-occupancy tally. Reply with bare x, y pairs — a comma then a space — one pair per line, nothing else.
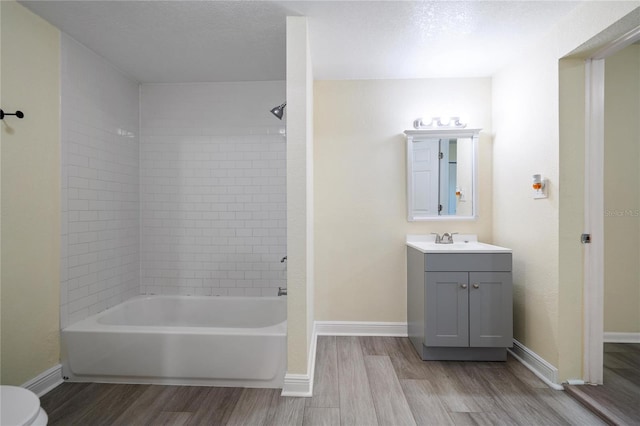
92, 324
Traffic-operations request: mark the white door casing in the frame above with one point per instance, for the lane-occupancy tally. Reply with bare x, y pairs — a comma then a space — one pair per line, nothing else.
593, 290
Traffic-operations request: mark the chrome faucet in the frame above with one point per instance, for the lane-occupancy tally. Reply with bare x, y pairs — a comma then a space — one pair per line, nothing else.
282, 291
447, 238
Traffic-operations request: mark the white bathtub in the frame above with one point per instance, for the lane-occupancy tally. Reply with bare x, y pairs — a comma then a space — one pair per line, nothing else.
184, 340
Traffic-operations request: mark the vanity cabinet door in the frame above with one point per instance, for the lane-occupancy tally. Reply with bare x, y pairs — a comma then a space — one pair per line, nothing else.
446, 309
490, 309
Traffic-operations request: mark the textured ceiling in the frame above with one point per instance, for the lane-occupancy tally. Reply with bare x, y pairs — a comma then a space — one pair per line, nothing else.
198, 41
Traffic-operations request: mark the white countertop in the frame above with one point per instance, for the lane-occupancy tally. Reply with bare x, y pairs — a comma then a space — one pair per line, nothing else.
465, 243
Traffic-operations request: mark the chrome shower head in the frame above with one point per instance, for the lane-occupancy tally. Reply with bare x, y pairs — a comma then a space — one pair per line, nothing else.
279, 111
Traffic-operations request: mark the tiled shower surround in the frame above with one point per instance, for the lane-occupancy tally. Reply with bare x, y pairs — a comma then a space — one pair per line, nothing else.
213, 189
167, 188
100, 185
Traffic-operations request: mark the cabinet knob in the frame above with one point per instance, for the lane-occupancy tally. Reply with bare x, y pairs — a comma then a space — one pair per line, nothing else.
463, 285
476, 286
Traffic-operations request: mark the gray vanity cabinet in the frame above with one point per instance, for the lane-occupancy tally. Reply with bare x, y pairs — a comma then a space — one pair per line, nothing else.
460, 305
446, 311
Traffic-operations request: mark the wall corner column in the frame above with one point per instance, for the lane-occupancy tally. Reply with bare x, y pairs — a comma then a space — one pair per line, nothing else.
299, 116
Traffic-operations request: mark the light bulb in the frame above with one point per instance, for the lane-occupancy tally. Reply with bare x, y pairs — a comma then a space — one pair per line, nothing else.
537, 182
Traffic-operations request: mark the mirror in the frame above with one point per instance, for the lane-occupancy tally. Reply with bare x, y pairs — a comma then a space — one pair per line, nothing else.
442, 174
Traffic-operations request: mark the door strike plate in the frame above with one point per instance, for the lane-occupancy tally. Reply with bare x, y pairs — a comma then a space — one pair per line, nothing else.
585, 238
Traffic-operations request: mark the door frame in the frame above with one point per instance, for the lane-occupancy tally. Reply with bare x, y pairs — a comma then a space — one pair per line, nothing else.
593, 293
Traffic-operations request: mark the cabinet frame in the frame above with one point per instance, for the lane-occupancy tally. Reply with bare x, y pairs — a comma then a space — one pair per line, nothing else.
460, 306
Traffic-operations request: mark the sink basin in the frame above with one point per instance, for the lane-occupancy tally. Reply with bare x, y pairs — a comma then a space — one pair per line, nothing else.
465, 244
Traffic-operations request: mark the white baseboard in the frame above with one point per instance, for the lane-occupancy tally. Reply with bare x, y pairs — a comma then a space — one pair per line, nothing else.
538, 366
361, 328
301, 385
45, 381
613, 337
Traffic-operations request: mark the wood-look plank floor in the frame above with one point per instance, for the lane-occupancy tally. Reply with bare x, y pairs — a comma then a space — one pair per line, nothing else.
617, 401
358, 381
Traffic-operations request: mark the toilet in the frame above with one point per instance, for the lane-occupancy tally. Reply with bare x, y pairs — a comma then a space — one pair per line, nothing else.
20, 407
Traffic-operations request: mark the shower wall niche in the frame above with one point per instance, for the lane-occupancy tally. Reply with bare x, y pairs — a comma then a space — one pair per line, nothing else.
213, 189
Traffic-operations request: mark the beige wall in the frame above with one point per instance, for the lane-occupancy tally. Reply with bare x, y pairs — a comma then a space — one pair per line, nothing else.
622, 191
571, 214
539, 120
30, 195
360, 188
299, 196
526, 142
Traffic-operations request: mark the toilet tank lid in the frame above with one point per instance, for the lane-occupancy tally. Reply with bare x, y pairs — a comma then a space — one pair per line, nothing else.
18, 406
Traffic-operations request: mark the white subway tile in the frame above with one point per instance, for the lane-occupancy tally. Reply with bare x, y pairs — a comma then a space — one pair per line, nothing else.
99, 168
253, 292
235, 291
269, 291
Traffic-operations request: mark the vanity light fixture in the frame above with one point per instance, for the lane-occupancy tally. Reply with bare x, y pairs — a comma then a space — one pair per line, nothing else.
539, 187
439, 123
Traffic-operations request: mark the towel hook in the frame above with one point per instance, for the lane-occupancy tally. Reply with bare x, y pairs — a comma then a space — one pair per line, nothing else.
18, 114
